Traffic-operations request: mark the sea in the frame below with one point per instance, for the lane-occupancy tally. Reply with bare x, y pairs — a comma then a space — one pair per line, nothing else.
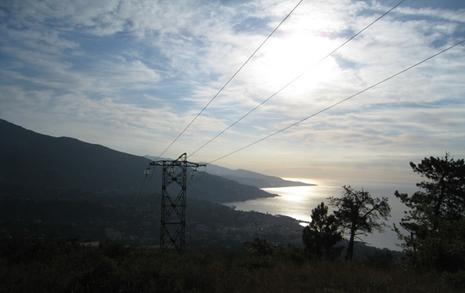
298, 201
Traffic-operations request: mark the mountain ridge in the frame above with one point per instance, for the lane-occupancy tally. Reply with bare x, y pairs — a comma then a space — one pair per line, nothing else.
30, 161
247, 177
253, 178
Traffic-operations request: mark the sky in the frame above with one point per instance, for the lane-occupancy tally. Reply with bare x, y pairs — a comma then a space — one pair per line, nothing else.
131, 74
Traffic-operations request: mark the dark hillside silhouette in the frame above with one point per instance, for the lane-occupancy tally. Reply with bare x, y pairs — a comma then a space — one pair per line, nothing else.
43, 164
31, 161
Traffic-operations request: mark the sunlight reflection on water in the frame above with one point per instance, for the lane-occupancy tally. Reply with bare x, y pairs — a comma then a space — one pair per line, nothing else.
293, 201
298, 201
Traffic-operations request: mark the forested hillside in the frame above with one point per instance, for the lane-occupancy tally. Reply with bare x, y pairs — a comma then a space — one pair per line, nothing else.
54, 166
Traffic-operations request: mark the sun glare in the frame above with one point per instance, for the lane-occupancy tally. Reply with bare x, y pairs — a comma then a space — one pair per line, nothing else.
291, 55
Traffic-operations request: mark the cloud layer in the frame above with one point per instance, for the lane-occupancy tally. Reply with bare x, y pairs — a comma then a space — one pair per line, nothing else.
131, 74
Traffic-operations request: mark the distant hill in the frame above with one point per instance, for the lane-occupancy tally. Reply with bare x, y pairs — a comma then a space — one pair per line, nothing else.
48, 165
63, 188
252, 178
248, 177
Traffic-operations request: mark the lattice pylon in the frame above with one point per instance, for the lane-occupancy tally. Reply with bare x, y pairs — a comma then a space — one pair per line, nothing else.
173, 201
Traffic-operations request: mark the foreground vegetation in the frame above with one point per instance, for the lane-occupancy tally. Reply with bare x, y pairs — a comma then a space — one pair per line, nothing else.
432, 229
74, 267
38, 214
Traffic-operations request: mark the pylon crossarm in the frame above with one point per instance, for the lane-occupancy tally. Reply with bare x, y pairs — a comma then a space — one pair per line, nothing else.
173, 200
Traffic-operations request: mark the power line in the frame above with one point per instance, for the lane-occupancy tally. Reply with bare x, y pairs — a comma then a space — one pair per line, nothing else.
295, 79
230, 79
338, 103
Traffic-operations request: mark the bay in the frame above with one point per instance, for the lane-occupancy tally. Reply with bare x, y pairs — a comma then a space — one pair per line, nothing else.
298, 201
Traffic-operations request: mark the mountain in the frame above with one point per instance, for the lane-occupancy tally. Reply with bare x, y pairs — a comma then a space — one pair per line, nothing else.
248, 177
64, 188
251, 178
136, 219
58, 188
43, 165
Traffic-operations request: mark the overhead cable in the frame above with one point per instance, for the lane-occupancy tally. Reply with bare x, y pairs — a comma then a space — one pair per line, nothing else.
297, 77
230, 79
339, 102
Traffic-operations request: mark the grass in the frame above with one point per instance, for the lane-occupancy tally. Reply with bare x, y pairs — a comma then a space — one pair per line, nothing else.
69, 267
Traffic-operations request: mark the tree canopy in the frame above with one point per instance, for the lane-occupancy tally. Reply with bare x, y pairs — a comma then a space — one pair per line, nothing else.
358, 212
322, 233
435, 220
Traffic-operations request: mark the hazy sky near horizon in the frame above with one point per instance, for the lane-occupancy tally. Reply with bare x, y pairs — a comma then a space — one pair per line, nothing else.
131, 74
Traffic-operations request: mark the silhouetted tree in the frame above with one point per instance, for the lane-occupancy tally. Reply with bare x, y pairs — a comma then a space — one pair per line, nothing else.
359, 213
435, 221
322, 233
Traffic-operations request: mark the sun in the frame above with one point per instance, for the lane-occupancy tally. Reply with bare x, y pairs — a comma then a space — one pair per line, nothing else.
290, 55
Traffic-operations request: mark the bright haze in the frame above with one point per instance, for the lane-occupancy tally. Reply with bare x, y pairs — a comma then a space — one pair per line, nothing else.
131, 74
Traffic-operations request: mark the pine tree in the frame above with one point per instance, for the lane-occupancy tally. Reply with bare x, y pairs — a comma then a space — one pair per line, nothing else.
359, 213
435, 220
322, 233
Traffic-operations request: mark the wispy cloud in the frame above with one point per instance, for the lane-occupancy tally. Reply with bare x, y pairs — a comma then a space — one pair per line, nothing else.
131, 74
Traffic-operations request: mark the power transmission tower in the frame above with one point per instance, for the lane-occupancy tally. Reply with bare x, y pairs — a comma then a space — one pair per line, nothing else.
173, 201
